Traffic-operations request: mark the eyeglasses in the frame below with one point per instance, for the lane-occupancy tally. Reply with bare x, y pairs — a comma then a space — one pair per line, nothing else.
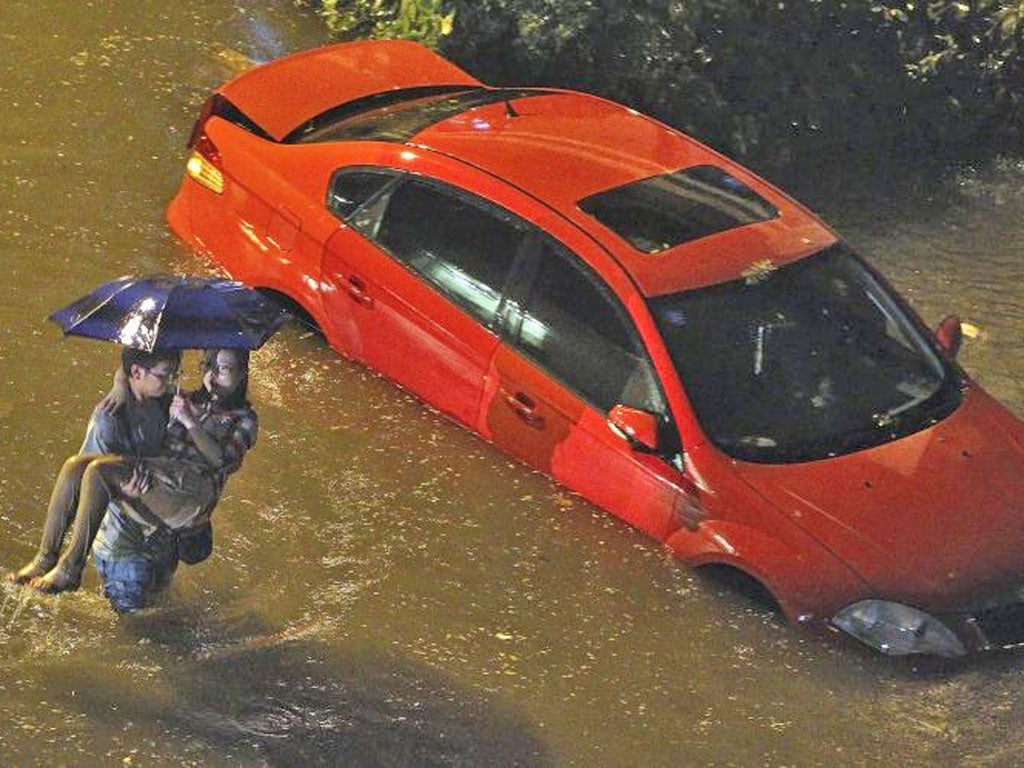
166, 378
225, 369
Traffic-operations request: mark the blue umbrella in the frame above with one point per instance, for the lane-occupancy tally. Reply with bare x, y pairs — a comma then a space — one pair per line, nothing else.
174, 311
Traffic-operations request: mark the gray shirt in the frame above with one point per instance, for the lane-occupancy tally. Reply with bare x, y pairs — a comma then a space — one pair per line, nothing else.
138, 430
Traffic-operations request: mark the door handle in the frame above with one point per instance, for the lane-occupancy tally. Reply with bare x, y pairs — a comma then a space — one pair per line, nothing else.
524, 406
357, 290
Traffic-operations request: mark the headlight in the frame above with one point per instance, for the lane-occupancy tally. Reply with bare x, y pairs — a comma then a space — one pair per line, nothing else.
897, 629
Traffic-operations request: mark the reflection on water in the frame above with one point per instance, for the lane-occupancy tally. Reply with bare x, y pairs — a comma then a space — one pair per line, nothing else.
288, 699
386, 589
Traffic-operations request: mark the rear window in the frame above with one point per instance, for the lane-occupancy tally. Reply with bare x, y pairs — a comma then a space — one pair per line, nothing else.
400, 121
665, 211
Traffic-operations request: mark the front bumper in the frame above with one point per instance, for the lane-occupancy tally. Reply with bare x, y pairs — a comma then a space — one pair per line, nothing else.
991, 628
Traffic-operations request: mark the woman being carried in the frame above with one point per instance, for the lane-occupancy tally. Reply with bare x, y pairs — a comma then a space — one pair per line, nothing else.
167, 499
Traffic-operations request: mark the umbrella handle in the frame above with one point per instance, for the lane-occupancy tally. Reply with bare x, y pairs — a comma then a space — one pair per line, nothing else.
177, 391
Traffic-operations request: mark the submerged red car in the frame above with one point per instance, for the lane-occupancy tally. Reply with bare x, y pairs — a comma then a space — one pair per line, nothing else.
642, 319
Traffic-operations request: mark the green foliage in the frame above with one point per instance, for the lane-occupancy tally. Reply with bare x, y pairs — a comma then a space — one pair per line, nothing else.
425, 21
975, 51
764, 80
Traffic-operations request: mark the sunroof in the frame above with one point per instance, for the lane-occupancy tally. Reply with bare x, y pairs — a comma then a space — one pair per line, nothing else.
665, 211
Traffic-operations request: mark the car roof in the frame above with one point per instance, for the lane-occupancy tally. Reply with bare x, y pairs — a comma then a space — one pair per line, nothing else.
561, 147
558, 146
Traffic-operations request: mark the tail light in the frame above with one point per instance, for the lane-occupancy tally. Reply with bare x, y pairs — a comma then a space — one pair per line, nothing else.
204, 163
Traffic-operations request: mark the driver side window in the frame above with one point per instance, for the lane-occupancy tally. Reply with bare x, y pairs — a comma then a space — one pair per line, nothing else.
571, 325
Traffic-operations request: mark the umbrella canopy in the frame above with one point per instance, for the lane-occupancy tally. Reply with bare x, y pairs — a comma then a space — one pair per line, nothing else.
174, 312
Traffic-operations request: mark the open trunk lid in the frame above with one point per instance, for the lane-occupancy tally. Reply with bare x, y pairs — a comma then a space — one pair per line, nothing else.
285, 93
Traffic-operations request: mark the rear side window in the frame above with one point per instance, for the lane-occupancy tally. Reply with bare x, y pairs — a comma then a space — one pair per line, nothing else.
460, 244
352, 188
665, 211
570, 325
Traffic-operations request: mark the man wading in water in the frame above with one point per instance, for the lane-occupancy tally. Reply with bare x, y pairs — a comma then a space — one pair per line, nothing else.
165, 498
136, 430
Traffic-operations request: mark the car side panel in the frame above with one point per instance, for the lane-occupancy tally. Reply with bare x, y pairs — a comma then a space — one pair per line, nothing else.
809, 583
540, 421
232, 225
264, 229
390, 319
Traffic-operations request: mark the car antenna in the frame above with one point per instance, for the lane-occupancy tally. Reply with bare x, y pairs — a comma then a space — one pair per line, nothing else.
510, 111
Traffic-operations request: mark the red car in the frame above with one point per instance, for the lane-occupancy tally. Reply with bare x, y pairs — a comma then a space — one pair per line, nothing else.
642, 319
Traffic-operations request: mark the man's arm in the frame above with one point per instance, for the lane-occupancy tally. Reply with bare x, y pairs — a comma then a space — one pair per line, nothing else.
105, 434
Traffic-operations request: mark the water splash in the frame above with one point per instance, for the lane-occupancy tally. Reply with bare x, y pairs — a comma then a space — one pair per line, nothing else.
16, 598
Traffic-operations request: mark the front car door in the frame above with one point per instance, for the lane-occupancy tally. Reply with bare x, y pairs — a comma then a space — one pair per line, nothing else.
572, 353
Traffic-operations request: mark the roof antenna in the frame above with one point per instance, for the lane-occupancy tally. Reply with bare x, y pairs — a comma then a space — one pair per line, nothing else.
510, 111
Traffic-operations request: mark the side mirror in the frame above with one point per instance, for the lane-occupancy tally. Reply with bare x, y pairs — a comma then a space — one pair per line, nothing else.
638, 428
950, 334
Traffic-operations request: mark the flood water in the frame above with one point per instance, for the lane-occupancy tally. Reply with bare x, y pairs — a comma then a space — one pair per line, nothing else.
388, 590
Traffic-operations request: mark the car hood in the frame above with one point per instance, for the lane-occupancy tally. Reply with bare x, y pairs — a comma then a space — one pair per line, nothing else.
935, 519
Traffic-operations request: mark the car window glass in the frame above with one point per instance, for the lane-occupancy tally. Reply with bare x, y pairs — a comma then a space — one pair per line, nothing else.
400, 122
368, 216
810, 360
572, 327
351, 189
664, 211
462, 245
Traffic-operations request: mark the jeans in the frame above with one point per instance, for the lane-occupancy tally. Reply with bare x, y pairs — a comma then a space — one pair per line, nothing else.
131, 584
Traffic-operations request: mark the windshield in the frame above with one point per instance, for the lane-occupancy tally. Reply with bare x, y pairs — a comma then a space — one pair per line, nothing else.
807, 361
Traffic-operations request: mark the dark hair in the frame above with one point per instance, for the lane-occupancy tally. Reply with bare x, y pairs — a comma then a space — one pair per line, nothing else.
131, 356
238, 398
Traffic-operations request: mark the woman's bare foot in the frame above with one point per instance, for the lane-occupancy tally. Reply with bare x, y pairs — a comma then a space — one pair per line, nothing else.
36, 567
57, 580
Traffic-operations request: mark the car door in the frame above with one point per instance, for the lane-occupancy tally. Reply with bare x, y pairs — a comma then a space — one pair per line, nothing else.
412, 285
572, 353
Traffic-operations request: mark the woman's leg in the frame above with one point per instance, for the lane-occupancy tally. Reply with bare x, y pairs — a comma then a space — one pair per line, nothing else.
100, 478
63, 500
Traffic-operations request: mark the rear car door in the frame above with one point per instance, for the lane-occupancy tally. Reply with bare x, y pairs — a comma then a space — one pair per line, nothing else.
413, 284
572, 353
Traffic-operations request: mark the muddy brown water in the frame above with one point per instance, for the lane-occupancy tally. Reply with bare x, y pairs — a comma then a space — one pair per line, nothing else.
387, 590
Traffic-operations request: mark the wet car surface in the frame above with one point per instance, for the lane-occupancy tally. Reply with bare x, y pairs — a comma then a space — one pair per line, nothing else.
632, 314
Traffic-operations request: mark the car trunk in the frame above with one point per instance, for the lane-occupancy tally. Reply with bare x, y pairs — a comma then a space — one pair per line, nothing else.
284, 94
